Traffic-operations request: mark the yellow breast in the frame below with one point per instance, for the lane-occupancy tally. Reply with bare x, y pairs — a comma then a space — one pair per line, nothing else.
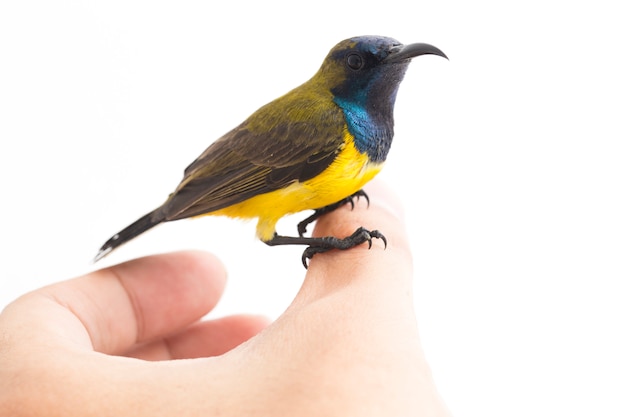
348, 173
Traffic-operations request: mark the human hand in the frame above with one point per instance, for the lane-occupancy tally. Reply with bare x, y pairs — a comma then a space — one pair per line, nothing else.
104, 344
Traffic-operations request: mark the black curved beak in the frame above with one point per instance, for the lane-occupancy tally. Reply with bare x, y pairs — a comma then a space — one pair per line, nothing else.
403, 53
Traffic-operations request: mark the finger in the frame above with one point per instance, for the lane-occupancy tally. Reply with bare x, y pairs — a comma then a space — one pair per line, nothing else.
355, 307
112, 309
335, 268
210, 338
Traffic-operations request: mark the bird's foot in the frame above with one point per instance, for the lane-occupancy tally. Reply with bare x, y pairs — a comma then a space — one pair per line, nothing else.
361, 235
327, 209
324, 244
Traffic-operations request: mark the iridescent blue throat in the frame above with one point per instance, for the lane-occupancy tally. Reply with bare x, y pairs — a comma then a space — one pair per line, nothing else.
371, 136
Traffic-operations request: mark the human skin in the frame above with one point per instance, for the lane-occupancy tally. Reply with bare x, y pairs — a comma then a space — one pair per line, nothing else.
109, 343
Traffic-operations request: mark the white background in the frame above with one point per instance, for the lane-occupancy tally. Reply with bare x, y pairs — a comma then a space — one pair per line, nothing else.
510, 159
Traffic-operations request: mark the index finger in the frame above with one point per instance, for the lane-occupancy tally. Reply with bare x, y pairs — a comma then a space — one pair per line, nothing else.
380, 267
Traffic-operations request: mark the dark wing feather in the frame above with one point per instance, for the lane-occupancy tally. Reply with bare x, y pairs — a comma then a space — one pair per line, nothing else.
267, 152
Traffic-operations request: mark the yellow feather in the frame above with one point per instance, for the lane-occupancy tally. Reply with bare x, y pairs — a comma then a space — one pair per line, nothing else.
348, 173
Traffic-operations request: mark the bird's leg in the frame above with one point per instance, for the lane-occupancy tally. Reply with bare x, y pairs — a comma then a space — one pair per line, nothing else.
331, 207
324, 244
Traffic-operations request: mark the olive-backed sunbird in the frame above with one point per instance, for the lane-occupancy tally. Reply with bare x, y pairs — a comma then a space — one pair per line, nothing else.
311, 149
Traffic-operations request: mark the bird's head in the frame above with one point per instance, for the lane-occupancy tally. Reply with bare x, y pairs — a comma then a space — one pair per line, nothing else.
367, 70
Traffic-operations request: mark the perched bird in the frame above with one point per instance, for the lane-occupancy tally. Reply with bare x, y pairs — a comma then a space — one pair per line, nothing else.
311, 149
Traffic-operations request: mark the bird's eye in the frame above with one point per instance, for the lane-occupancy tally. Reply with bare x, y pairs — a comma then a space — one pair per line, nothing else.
354, 61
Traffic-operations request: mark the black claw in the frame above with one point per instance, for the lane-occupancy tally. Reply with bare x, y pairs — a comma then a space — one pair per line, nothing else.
376, 234
302, 227
327, 209
363, 194
361, 235
310, 251
324, 244
358, 196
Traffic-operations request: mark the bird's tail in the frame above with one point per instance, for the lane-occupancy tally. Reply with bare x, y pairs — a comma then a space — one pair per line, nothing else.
146, 222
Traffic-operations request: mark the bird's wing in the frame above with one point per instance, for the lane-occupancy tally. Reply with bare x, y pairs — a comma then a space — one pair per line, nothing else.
253, 159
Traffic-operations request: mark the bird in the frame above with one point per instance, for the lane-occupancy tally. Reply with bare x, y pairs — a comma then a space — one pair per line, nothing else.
313, 148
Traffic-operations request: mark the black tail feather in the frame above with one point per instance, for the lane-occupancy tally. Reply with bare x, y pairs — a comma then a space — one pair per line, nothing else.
146, 222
